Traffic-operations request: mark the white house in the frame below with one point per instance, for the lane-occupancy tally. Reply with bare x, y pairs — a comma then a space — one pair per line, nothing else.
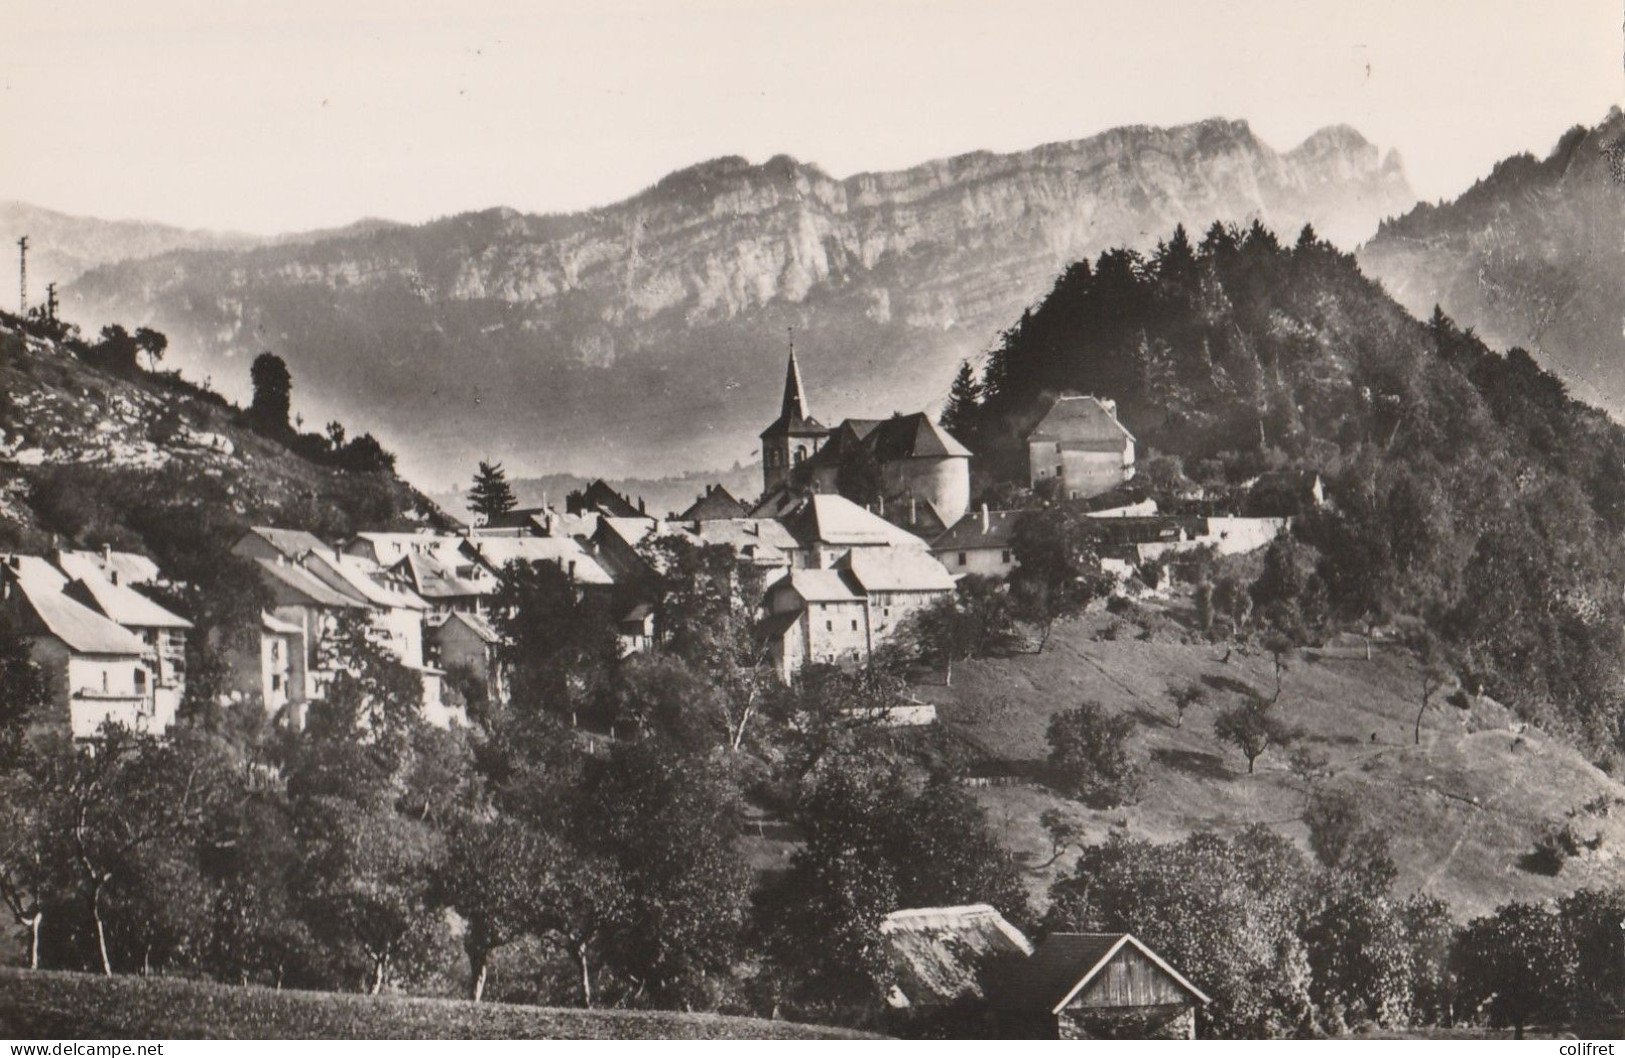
1080, 443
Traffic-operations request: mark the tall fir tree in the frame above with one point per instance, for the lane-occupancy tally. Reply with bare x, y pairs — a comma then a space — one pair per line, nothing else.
964, 400
491, 496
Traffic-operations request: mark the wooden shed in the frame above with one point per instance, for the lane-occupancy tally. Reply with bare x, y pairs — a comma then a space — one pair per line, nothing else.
1080, 986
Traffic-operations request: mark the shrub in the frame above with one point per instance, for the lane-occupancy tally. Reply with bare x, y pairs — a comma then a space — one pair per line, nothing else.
1090, 757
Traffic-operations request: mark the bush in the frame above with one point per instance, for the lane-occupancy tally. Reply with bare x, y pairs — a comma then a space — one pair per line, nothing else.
1090, 757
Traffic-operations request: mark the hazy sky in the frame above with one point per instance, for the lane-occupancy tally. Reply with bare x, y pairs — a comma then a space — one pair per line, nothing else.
287, 114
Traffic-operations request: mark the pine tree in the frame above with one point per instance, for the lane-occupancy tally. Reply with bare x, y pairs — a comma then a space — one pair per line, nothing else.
964, 399
491, 496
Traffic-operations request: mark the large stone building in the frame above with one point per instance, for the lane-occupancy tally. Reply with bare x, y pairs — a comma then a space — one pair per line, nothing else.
1080, 443
920, 463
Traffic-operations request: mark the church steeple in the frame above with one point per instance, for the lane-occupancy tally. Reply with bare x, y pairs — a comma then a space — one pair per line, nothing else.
795, 435
794, 407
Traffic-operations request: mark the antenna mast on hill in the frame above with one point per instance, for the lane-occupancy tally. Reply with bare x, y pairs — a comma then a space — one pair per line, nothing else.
22, 276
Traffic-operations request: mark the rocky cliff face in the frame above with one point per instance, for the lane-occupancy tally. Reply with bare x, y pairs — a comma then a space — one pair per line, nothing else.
647, 336
1532, 255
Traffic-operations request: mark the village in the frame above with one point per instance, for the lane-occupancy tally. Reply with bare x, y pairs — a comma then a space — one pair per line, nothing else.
839, 579
839, 582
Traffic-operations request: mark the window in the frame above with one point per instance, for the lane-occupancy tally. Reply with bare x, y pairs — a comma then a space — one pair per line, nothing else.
963, 558
854, 626
141, 681
1057, 470
276, 683
829, 626
1004, 556
276, 650
104, 681
1057, 447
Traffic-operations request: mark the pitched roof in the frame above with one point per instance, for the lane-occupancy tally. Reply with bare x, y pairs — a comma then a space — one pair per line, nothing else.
763, 541
122, 604
896, 569
476, 623
600, 497
1064, 964
827, 519
301, 581
716, 503
83, 630
390, 548
363, 578
819, 585
941, 955
567, 554
129, 567
913, 436
1087, 422
291, 542
436, 577
968, 533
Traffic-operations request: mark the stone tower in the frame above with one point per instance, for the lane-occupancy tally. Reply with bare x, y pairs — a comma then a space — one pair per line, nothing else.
794, 436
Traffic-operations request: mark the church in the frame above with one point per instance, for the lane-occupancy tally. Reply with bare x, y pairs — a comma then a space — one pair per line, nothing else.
922, 466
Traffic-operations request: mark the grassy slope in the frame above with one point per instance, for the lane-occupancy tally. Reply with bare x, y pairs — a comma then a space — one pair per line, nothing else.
43, 1005
1464, 807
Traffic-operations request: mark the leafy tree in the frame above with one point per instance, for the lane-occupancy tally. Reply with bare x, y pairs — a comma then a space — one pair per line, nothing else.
1185, 698
1518, 963
1253, 728
368, 882
492, 876
134, 793
374, 696
24, 695
976, 620
1433, 674
1057, 569
1228, 912
1348, 844
153, 343
1360, 956
491, 496
669, 824
1592, 919
28, 872
1088, 751
558, 645
273, 395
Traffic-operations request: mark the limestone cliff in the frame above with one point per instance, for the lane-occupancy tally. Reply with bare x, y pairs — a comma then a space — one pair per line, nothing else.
647, 336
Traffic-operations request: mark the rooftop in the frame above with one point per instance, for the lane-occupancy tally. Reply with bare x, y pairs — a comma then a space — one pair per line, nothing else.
939, 954
1081, 420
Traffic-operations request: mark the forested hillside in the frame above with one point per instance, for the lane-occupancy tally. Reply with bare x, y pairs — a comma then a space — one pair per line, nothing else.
1468, 489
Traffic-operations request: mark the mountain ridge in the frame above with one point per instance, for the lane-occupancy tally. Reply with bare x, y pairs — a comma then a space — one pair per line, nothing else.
645, 337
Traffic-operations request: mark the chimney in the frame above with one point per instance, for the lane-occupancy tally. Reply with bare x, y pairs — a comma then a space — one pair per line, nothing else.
107, 554
112, 576
986, 521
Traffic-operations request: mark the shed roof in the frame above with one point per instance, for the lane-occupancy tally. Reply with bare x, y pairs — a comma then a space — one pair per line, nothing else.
1064, 964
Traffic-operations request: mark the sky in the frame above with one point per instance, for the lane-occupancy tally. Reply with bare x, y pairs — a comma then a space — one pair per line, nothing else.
271, 117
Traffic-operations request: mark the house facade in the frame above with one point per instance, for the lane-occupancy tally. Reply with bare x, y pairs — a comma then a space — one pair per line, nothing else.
979, 543
1080, 444
94, 670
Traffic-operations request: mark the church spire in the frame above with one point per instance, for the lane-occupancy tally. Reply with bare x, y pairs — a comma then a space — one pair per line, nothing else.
794, 408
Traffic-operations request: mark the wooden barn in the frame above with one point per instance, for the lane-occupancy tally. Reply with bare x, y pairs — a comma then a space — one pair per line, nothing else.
1100, 986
